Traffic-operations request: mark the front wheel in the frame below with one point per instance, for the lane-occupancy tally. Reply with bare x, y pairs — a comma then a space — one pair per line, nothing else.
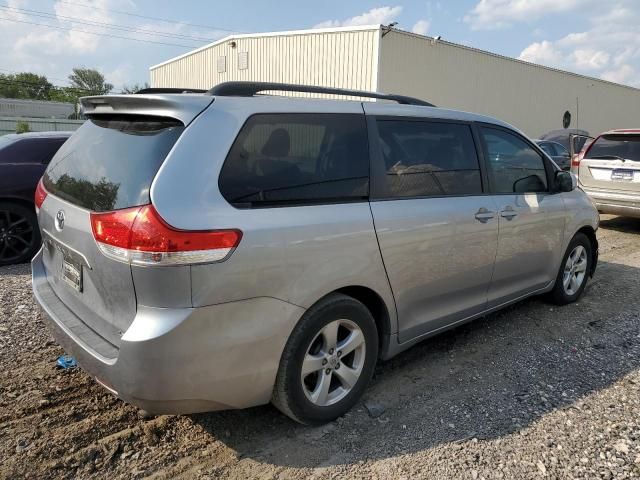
327, 362
574, 271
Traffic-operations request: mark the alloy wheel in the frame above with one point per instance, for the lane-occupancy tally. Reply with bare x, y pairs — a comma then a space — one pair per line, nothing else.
575, 270
333, 362
16, 236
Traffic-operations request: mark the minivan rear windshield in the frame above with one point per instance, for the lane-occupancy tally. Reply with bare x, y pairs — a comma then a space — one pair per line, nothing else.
109, 163
616, 147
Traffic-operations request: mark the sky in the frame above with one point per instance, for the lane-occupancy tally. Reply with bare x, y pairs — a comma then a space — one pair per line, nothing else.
123, 38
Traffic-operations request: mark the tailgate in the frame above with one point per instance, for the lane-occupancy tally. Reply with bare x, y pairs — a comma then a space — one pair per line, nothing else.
108, 164
103, 297
612, 162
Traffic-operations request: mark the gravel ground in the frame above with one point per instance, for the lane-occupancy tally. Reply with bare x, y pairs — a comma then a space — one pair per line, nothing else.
533, 391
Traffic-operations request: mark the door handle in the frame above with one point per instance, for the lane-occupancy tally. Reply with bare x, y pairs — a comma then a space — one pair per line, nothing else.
509, 213
484, 215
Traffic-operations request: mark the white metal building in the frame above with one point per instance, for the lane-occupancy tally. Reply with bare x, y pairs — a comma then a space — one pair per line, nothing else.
531, 97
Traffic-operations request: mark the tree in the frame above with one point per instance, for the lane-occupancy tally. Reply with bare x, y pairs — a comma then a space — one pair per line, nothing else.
22, 127
90, 81
134, 88
25, 85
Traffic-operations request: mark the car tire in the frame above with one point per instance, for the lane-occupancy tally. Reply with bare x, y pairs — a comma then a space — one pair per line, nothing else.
576, 264
19, 233
334, 377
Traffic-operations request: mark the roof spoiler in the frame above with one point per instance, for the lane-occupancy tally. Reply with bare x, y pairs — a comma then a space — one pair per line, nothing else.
181, 108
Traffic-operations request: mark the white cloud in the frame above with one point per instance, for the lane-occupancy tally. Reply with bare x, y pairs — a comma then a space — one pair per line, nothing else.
54, 52
543, 52
608, 48
381, 15
590, 59
494, 14
625, 74
421, 27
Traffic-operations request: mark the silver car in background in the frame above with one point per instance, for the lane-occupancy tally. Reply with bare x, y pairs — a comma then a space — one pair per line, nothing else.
223, 249
608, 171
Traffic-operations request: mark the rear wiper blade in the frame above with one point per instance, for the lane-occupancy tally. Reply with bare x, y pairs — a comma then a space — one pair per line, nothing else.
607, 157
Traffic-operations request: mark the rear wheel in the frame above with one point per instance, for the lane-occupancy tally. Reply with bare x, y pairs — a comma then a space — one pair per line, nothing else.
327, 362
19, 234
574, 271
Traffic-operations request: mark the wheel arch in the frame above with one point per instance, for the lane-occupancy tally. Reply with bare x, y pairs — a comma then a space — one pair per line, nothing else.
18, 201
591, 235
378, 308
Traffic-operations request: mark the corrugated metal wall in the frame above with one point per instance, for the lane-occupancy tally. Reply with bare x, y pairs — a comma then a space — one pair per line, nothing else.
531, 97
9, 124
14, 107
345, 59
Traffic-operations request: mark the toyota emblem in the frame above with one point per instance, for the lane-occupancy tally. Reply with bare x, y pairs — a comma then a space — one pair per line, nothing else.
60, 220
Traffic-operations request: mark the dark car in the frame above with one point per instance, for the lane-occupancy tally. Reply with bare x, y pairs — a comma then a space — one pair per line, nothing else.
23, 159
563, 137
557, 152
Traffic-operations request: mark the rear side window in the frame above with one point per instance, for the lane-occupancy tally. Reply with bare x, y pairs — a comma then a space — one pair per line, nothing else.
428, 159
109, 163
285, 159
30, 150
616, 147
514, 166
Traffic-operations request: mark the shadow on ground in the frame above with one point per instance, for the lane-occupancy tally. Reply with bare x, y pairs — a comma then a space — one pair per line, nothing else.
621, 224
487, 379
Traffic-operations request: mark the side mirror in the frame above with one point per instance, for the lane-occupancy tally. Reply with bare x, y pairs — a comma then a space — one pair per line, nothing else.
565, 181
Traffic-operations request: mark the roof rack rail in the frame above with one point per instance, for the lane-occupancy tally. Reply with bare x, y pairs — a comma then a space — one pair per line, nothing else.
169, 90
249, 89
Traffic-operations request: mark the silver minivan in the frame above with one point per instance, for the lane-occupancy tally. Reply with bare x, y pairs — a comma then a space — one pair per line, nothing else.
224, 249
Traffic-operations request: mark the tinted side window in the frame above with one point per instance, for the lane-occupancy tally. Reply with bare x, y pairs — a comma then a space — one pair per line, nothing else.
51, 147
513, 165
560, 150
297, 158
428, 159
32, 150
548, 148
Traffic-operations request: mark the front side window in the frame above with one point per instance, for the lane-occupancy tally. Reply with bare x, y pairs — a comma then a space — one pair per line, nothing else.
428, 159
281, 159
514, 167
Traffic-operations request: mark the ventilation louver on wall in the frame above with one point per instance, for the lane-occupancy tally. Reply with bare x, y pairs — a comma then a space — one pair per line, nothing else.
243, 60
222, 64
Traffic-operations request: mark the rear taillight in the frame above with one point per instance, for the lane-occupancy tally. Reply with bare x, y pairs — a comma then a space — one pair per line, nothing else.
575, 162
40, 195
139, 236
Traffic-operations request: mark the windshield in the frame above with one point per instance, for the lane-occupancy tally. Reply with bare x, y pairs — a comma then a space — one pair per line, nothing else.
614, 147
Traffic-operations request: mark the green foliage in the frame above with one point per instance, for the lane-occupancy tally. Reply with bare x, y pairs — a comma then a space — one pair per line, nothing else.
22, 127
89, 80
29, 86
101, 195
25, 85
134, 88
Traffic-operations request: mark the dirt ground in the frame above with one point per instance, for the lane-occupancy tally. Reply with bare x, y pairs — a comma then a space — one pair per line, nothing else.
532, 391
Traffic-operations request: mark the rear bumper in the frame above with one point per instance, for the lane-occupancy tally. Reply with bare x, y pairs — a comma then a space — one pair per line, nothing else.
186, 360
615, 203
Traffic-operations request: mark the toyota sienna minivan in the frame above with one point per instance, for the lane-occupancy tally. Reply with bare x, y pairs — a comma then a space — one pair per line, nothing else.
224, 249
